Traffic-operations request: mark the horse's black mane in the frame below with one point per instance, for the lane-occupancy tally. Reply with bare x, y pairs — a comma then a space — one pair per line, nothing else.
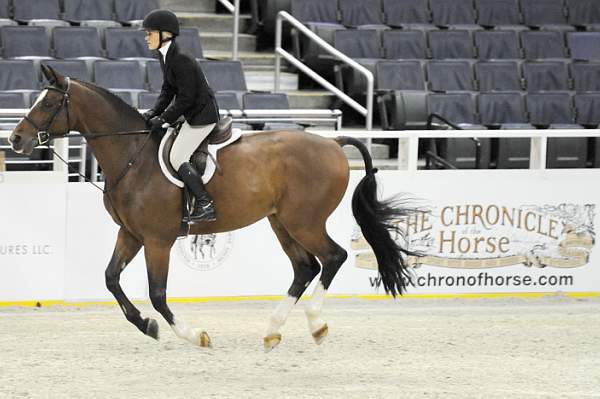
111, 98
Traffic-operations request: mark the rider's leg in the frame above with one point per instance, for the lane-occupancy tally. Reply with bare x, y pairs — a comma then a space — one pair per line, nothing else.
186, 142
203, 208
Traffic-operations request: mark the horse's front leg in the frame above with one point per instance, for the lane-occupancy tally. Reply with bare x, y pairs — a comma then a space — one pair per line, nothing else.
126, 248
157, 262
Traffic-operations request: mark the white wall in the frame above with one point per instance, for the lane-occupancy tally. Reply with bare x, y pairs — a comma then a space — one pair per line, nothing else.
62, 240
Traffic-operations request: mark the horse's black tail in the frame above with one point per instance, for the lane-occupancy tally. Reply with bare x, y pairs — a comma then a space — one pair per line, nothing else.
378, 220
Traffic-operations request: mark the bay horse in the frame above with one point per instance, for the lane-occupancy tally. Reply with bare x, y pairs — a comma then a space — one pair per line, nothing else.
294, 179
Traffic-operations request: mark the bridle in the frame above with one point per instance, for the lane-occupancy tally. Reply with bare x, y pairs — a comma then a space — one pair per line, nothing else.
44, 136
43, 133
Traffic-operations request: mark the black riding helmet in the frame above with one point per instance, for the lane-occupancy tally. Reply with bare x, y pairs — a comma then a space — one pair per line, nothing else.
162, 21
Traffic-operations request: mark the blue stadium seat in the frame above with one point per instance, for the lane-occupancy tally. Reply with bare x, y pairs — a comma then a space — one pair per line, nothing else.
155, 75
25, 10
584, 45
355, 13
400, 12
18, 75
447, 44
4, 9
189, 41
228, 101
587, 106
402, 93
134, 10
498, 12
497, 44
315, 10
12, 100
80, 10
498, 76
586, 76
21, 41
72, 68
450, 76
543, 44
118, 75
452, 12
77, 41
584, 12
404, 44
128, 43
543, 12
147, 100
126, 96
269, 101
546, 76
364, 47
459, 109
555, 110
224, 75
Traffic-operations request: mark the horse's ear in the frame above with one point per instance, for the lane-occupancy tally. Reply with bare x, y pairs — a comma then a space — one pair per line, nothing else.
49, 74
53, 77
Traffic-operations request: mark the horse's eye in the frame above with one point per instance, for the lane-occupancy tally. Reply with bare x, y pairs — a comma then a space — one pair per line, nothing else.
46, 104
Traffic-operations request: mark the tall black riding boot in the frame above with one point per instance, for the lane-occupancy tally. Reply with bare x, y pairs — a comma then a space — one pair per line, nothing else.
203, 208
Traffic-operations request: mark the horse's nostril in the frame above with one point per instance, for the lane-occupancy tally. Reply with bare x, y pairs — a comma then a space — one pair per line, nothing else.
15, 138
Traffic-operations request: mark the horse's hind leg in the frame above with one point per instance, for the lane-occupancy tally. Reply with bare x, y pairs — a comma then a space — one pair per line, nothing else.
306, 267
157, 262
331, 256
125, 250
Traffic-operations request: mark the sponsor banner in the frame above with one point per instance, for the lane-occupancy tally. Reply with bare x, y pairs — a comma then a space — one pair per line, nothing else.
506, 231
32, 236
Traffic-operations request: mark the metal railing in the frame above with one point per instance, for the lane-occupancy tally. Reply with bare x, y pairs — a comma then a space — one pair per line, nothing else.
235, 10
367, 111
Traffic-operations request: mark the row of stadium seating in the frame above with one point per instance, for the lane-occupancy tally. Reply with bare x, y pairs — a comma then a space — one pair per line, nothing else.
119, 75
75, 42
464, 44
494, 75
124, 11
354, 13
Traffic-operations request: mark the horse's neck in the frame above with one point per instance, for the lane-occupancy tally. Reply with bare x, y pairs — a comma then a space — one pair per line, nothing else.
115, 152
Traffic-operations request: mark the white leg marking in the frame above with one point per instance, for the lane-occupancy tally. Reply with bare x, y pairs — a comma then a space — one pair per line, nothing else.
279, 317
314, 307
184, 332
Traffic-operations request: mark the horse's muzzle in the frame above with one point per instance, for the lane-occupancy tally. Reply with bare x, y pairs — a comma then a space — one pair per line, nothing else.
22, 145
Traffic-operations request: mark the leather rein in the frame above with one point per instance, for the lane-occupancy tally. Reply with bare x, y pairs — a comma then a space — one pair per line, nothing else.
44, 136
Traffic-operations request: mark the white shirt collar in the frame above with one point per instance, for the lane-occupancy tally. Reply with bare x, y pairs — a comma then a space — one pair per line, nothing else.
163, 50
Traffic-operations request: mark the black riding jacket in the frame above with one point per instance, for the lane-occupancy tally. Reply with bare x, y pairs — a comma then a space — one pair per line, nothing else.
184, 80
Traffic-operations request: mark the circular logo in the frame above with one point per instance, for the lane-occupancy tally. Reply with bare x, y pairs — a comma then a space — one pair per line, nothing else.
205, 252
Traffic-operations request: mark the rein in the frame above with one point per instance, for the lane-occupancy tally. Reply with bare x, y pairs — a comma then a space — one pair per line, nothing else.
44, 137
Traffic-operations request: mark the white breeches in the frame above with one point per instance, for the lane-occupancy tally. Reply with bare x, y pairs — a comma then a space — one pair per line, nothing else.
186, 142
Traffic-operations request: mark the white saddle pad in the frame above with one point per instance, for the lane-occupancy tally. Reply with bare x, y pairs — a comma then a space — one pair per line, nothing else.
209, 171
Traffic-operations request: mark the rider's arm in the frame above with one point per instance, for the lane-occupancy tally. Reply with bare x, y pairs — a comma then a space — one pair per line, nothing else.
164, 99
185, 77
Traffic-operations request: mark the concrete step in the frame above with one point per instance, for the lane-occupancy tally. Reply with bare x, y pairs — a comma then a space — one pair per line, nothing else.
378, 151
221, 41
208, 22
310, 99
264, 80
189, 5
250, 59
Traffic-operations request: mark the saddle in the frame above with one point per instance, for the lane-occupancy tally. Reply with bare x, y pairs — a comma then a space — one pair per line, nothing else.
220, 134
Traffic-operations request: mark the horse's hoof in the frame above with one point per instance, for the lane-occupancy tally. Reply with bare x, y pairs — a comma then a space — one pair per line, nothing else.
152, 328
320, 334
204, 340
271, 341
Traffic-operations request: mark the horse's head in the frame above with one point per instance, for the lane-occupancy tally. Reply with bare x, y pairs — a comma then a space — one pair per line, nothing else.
47, 118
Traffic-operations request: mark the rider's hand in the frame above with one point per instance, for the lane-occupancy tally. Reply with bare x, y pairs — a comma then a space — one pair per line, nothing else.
156, 124
148, 115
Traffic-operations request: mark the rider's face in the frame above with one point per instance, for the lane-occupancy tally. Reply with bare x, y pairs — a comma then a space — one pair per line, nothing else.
152, 39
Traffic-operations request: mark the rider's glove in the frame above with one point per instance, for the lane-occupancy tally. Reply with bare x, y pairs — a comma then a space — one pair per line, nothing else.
148, 115
156, 124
